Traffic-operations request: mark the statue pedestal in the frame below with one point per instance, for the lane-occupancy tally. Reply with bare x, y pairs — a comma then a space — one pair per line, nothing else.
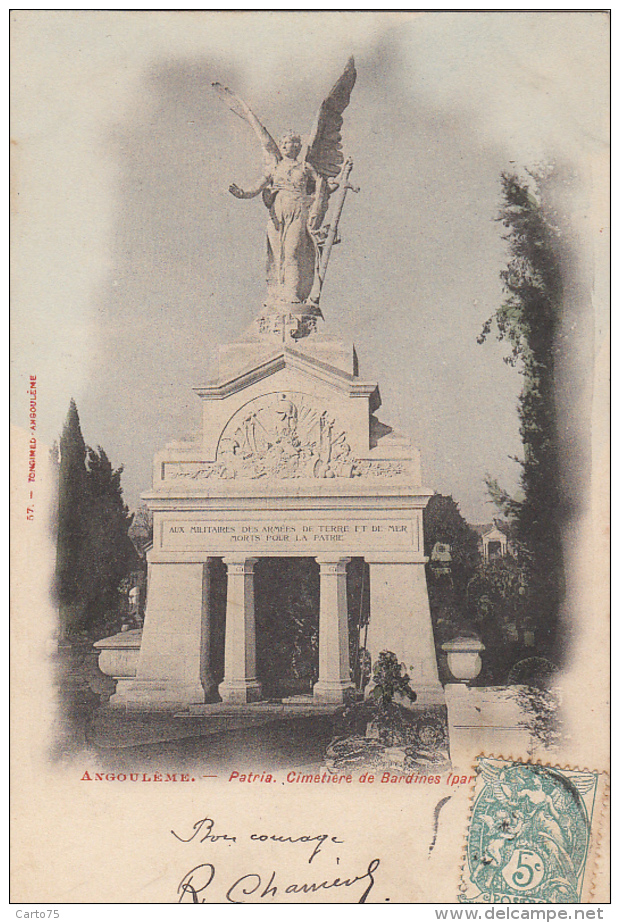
288, 327
291, 461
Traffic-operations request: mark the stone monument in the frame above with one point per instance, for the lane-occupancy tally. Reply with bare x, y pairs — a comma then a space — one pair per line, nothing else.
291, 461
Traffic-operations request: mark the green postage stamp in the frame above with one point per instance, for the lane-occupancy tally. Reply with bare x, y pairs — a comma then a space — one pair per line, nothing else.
532, 834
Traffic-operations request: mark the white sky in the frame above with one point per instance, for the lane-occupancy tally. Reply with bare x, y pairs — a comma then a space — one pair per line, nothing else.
132, 262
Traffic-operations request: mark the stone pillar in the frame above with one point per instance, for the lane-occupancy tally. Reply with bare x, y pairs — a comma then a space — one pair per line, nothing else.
170, 662
400, 621
240, 684
334, 673
208, 683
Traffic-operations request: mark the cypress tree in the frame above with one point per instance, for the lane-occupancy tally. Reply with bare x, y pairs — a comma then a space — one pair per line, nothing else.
94, 552
529, 320
72, 491
108, 555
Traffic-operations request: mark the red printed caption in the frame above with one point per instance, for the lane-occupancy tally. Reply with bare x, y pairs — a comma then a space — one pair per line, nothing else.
32, 444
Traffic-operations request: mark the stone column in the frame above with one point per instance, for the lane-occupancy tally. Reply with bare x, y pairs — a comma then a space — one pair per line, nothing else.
169, 669
400, 621
240, 684
334, 674
208, 683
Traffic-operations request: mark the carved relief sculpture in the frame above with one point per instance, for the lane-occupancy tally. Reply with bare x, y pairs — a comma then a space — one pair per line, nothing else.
283, 436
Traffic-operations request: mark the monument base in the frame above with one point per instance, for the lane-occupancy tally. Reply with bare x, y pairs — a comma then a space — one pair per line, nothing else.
292, 462
429, 694
157, 694
240, 692
326, 693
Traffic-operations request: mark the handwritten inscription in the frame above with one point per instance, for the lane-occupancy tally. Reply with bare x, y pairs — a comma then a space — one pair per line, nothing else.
203, 831
253, 887
299, 537
260, 886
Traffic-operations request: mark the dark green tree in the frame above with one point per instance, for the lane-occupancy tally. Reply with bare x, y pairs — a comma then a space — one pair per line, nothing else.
528, 320
499, 612
94, 553
443, 522
108, 554
72, 492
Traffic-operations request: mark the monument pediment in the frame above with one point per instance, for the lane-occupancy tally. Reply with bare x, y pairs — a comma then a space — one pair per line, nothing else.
306, 365
323, 388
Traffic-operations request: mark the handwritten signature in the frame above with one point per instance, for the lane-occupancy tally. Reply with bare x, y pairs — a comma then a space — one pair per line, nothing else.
195, 882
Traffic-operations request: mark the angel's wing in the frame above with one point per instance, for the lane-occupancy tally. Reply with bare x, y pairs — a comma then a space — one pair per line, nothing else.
324, 142
492, 777
488, 772
583, 784
271, 151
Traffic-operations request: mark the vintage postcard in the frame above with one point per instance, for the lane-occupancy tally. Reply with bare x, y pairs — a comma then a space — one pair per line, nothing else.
310, 457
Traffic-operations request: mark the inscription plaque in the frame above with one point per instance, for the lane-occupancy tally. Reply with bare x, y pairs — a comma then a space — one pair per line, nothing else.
291, 536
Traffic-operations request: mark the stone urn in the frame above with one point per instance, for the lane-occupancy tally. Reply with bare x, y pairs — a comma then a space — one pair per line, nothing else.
118, 657
464, 661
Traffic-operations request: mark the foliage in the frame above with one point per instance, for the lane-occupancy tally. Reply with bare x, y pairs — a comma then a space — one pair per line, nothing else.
108, 554
72, 492
287, 629
94, 553
528, 320
365, 727
499, 592
541, 717
366, 730
538, 700
507, 505
499, 611
390, 679
444, 523
141, 529
447, 592
534, 671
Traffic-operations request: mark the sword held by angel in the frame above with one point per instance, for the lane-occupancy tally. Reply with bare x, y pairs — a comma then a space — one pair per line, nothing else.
297, 183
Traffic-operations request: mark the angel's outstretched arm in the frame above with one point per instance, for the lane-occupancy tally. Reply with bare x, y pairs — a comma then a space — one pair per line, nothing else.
249, 193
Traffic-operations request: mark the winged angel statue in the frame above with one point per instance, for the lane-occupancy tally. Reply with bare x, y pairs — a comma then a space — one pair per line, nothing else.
296, 185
